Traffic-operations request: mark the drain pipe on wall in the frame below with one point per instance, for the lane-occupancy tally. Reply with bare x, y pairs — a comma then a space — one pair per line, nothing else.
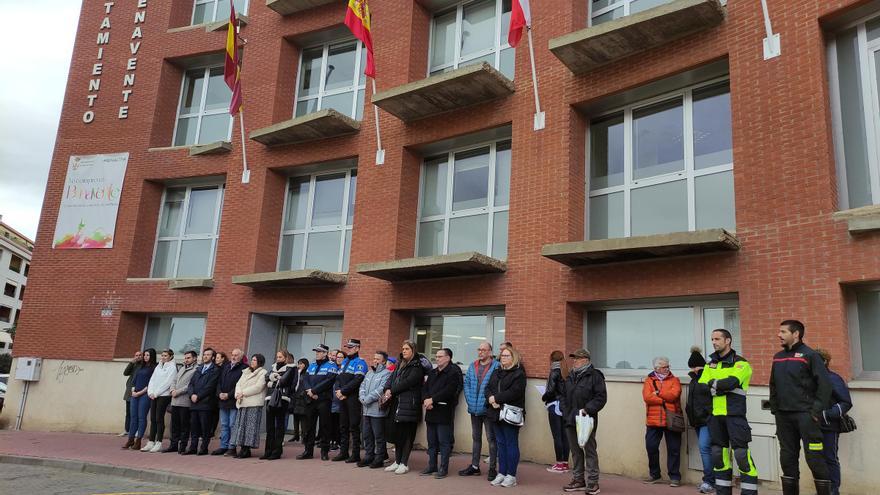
24, 394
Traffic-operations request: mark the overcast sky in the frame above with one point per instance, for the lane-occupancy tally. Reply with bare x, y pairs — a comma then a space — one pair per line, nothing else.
37, 39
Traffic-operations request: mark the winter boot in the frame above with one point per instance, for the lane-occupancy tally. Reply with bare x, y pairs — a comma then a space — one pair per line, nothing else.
128, 444
824, 487
790, 485
137, 444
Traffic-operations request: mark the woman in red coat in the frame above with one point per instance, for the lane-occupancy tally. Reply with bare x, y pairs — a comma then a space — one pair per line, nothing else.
662, 393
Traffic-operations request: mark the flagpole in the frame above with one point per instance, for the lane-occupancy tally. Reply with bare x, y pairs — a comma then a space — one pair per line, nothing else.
380, 152
539, 115
246, 173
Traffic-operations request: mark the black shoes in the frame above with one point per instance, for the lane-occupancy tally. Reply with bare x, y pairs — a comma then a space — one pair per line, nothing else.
493, 473
440, 474
353, 459
171, 448
220, 451
470, 471
325, 456
340, 457
189, 452
244, 453
428, 471
365, 462
376, 464
305, 455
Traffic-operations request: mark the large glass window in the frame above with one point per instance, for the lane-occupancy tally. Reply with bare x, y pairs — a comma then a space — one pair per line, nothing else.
318, 218
629, 337
178, 333
608, 10
189, 224
663, 166
465, 197
471, 33
864, 322
853, 56
203, 114
215, 10
332, 76
461, 332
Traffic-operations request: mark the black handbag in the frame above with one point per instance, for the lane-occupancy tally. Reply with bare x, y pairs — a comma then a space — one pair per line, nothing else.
847, 424
276, 399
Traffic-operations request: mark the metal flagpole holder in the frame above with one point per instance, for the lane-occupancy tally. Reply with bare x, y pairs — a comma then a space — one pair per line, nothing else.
380, 152
539, 122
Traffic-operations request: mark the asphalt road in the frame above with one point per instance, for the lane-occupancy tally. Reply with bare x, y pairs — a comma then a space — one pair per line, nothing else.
16, 479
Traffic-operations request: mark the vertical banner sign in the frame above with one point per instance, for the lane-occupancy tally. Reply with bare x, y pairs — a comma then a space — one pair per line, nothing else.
89, 202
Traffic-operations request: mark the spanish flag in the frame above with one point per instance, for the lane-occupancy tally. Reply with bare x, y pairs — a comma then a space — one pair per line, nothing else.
357, 18
232, 67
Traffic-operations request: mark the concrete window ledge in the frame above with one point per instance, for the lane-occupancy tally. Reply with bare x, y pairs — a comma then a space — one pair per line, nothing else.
287, 7
216, 148
429, 267
323, 124
445, 92
217, 26
290, 279
862, 220
587, 49
585, 253
191, 283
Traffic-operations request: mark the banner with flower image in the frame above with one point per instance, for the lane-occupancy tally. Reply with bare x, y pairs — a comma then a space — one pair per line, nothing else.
89, 201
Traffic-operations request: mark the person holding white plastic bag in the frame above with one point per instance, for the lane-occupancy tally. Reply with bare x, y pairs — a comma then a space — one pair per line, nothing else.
585, 395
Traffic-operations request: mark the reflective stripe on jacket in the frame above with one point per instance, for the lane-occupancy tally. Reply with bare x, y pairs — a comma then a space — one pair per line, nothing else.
728, 379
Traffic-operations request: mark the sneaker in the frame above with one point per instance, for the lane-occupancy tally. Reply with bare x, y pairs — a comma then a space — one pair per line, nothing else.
498, 480
593, 490
563, 466
471, 470
650, 480
559, 467
509, 481
674, 483
157, 447
706, 488
575, 486
147, 447
123, 434
401, 469
392, 467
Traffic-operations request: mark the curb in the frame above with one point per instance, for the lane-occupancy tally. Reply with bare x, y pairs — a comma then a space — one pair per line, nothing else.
183, 480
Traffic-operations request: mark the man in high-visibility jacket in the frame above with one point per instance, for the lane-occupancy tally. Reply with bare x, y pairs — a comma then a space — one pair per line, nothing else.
727, 378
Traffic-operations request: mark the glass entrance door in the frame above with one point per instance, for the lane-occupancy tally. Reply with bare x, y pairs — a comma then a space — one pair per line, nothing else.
302, 336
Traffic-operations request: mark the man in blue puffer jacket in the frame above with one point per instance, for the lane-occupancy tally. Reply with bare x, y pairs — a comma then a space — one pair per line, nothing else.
475, 382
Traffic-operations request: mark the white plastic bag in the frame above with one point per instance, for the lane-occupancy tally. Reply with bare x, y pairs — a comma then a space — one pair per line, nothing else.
584, 425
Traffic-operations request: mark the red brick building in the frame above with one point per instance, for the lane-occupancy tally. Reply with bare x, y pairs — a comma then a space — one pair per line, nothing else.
682, 182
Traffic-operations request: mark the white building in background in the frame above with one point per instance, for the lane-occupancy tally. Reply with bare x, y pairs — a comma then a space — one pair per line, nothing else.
15, 262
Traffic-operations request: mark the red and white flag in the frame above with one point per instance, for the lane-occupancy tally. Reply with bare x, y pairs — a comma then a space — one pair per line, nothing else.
520, 18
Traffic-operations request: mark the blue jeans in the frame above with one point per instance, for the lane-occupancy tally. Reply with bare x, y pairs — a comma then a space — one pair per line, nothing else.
140, 407
227, 419
706, 454
829, 451
507, 438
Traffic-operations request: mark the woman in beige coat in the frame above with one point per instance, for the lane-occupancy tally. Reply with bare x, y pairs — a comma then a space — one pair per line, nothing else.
249, 399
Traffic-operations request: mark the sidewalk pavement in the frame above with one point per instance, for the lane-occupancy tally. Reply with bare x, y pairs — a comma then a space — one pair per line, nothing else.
309, 477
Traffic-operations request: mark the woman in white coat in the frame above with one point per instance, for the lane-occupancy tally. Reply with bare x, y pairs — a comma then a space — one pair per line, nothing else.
250, 392
159, 392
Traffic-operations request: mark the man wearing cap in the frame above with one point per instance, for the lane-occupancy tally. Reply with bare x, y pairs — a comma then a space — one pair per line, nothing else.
317, 383
585, 395
348, 383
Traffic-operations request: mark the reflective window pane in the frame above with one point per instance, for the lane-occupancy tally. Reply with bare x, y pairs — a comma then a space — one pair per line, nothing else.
659, 332
359, 106
434, 193
658, 139
290, 257
468, 234
202, 209
606, 216
341, 102
219, 95
713, 141
499, 236
322, 252
345, 251
352, 193
297, 203
714, 201
195, 259
461, 334
478, 27
430, 238
169, 225
601, 4
163, 262
340, 67
726, 318
310, 72
471, 179
215, 128
868, 303
222, 12
508, 61
180, 334
872, 29
639, 5
608, 16
852, 108
499, 331
304, 107
443, 39
329, 195
502, 174
659, 209
186, 131
192, 91
606, 152
203, 13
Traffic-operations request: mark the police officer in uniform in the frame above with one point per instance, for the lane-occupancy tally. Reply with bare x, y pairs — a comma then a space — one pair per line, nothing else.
727, 378
799, 392
348, 382
318, 381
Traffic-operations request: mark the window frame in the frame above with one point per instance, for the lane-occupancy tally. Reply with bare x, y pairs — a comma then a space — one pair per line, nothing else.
321, 93
855, 334
21, 263
616, 4
202, 113
15, 289
870, 97
689, 174
11, 314
192, 17
490, 209
308, 230
699, 305
499, 46
490, 315
178, 356
215, 237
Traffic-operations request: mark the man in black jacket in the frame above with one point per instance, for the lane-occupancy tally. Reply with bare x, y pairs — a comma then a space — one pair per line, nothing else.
585, 395
799, 393
203, 393
130, 369
348, 383
441, 392
229, 375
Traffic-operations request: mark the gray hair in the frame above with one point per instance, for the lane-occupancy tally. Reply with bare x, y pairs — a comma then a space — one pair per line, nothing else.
487, 343
660, 359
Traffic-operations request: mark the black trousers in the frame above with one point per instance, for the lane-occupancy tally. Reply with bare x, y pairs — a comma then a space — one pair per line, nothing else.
406, 436
200, 426
275, 428
350, 426
179, 427
158, 407
792, 429
127, 415
374, 438
440, 439
317, 411
653, 436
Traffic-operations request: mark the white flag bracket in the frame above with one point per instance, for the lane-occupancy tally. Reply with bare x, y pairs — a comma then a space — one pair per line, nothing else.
540, 120
380, 151
772, 43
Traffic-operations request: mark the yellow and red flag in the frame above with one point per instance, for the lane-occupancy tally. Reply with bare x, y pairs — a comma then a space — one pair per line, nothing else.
357, 18
232, 66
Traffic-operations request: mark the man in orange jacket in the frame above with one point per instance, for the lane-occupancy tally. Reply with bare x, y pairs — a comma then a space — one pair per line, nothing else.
662, 394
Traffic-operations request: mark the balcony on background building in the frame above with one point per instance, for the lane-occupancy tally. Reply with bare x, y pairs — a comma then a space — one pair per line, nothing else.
445, 92
431, 267
592, 47
603, 251
323, 124
290, 279
287, 7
